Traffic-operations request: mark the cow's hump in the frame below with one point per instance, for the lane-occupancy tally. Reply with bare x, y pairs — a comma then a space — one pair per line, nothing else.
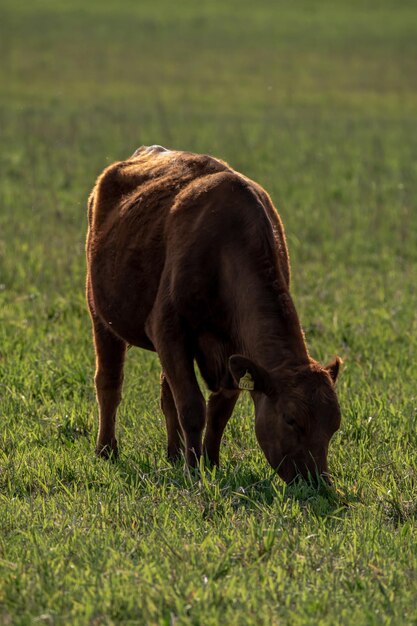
149, 150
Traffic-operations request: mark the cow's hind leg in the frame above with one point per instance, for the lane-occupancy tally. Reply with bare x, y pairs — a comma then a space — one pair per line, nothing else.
219, 410
169, 409
110, 355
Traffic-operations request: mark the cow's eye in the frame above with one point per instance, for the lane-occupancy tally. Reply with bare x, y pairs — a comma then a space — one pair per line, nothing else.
293, 424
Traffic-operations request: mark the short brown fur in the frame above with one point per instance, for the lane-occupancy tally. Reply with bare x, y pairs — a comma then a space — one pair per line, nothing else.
187, 257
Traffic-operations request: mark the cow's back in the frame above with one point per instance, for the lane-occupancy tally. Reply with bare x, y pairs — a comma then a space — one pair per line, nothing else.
168, 221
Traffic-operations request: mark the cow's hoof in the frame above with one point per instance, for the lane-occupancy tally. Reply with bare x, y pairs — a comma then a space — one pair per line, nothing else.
108, 451
174, 455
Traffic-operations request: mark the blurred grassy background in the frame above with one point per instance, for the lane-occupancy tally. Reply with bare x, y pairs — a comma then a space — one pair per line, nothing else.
316, 101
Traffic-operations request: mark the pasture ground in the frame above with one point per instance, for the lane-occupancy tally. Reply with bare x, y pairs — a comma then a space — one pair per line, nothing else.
315, 100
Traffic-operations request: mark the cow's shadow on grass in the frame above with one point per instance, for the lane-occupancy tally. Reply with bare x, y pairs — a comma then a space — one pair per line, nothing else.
239, 486
257, 490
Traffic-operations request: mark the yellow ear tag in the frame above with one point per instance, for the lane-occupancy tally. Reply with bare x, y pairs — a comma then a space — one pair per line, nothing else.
246, 382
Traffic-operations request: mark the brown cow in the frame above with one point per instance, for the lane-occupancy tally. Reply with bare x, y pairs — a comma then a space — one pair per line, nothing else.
188, 258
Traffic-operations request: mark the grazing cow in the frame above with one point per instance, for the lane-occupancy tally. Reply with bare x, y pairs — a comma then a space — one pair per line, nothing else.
188, 258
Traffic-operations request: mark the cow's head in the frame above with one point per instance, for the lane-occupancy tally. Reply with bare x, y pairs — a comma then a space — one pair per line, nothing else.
296, 414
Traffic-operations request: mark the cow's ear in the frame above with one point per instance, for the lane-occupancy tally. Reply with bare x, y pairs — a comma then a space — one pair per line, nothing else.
333, 368
249, 375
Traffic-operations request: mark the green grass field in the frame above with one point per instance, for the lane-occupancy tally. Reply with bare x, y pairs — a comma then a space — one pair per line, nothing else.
316, 100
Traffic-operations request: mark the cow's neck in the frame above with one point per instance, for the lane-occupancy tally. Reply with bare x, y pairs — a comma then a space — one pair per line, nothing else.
270, 331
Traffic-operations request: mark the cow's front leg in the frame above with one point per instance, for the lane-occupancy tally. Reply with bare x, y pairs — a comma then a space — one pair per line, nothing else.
190, 403
178, 365
110, 355
169, 409
219, 411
